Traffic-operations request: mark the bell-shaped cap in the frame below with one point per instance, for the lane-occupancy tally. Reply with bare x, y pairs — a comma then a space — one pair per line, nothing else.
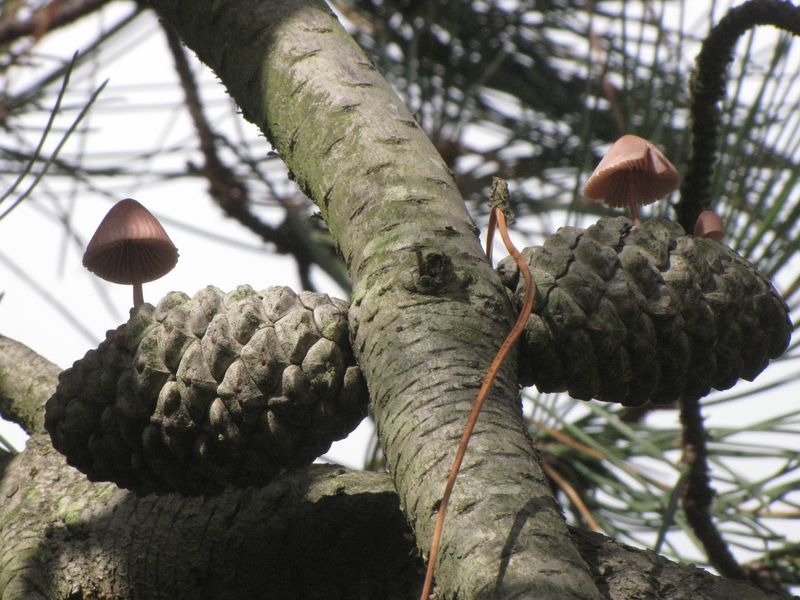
632, 173
130, 246
709, 225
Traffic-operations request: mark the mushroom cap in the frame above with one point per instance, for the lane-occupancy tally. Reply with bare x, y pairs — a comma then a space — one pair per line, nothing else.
709, 225
130, 246
632, 173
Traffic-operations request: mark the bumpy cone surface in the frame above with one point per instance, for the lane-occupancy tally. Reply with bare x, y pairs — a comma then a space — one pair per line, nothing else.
633, 315
219, 389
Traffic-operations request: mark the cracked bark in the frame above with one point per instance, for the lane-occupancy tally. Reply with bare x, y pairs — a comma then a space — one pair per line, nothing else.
428, 313
423, 339
25, 380
320, 532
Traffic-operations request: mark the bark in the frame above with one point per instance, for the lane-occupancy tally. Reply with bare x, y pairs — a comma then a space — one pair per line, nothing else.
26, 381
428, 312
320, 532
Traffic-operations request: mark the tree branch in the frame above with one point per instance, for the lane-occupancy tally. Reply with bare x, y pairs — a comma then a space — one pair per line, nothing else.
708, 90
320, 530
423, 339
52, 16
698, 495
27, 380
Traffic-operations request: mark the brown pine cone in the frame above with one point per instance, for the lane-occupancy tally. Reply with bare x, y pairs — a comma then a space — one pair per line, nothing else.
632, 315
219, 389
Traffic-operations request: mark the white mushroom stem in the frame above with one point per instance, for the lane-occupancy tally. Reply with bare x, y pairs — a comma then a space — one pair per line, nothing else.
138, 294
637, 222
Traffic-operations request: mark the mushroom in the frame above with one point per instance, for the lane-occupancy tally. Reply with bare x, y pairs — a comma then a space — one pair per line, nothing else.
709, 225
632, 173
131, 247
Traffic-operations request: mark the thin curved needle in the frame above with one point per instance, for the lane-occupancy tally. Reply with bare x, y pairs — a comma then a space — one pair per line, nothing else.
513, 335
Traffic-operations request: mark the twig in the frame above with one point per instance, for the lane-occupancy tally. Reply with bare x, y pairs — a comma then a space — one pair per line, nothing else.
54, 154
708, 90
697, 494
51, 16
230, 192
224, 186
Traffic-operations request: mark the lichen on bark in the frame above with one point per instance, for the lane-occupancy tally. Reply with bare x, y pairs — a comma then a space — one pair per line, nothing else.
423, 340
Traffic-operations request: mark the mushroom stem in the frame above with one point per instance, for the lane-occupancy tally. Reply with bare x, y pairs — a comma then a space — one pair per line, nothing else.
637, 222
138, 295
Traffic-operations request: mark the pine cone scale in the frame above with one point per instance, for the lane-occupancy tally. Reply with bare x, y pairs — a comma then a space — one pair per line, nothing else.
647, 314
219, 389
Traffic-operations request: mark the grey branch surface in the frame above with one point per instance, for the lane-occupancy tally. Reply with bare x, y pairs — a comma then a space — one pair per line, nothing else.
319, 532
428, 313
27, 380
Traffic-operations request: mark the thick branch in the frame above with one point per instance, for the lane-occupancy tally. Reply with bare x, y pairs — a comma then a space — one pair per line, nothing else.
319, 528
27, 380
321, 532
428, 311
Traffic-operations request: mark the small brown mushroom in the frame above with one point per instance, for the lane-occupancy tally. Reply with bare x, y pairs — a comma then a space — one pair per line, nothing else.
131, 247
632, 173
709, 225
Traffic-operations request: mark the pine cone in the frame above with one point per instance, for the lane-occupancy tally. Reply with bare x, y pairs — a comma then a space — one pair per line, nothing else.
220, 389
633, 315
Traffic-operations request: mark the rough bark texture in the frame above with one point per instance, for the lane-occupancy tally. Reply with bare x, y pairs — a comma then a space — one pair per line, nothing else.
26, 381
320, 532
427, 315
428, 312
